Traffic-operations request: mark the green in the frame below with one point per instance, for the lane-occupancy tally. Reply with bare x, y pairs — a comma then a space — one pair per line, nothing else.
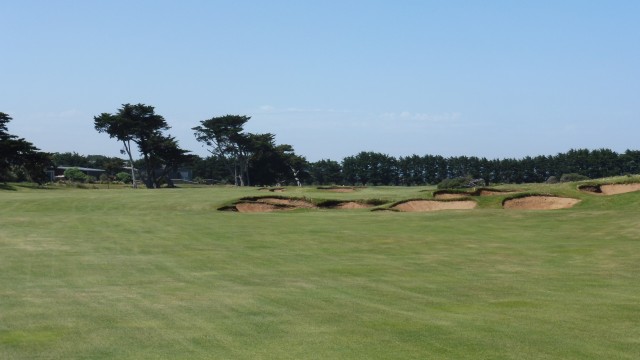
161, 274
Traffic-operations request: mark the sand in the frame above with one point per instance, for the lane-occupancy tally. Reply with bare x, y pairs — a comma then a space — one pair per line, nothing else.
614, 189
250, 207
287, 202
540, 203
268, 204
351, 205
430, 205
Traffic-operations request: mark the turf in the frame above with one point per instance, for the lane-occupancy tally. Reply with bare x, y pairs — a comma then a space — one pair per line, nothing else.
161, 274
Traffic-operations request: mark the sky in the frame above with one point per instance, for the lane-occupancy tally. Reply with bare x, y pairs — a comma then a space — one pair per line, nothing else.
495, 79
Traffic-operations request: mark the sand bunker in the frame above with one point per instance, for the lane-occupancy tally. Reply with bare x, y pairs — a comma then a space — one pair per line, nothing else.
540, 203
610, 189
430, 205
269, 204
614, 189
249, 207
276, 203
297, 203
351, 205
590, 189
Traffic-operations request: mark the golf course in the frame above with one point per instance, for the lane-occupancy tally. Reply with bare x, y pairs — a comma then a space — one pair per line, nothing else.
356, 273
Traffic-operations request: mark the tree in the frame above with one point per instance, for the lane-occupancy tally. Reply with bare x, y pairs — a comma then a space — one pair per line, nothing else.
210, 169
17, 153
276, 164
141, 125
70, 159
266, 164
166, 158
223, 135
249, 158
326, 172
35, 164
112, 166
296, 163
371, 168
630, 162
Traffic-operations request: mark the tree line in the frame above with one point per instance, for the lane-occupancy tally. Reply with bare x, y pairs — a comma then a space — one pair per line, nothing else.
371, 168
250, 159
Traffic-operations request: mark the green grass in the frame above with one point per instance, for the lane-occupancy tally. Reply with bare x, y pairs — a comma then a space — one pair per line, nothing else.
160, 274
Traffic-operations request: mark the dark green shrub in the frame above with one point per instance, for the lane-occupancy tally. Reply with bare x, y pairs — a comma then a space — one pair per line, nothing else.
552, 180
124, 177
75, 175
8, 176
455, 183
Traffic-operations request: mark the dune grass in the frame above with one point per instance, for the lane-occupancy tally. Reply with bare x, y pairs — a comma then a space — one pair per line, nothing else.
160, 274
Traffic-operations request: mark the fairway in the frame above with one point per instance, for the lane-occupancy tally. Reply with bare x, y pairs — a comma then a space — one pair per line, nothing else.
162, 274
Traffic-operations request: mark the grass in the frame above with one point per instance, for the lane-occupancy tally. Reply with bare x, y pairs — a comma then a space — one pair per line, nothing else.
160, 274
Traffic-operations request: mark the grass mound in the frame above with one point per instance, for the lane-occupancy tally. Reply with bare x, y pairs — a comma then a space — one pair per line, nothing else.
338, 189
492, 192
458, 193
273, 189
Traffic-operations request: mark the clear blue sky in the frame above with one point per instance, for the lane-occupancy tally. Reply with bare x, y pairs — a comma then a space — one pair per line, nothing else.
332, 78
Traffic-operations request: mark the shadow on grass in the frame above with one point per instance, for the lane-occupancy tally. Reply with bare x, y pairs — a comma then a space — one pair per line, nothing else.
7, 187
26, 185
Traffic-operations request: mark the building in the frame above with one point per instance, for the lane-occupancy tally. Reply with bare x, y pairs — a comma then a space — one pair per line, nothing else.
58, 172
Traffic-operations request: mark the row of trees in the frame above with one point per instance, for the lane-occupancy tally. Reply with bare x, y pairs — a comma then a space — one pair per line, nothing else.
242, 158
380, 169
249, 159
371, 168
